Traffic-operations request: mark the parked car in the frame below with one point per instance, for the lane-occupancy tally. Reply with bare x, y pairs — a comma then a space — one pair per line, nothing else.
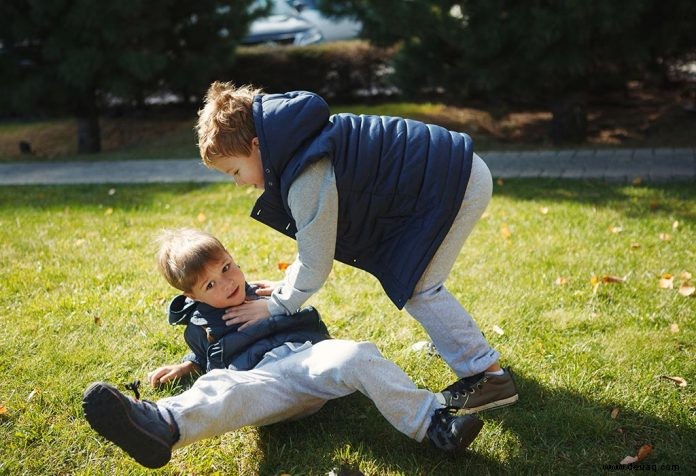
332, 29
284, 26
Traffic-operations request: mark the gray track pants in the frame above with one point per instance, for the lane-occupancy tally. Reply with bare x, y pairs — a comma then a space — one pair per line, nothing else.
452, 330
295, 380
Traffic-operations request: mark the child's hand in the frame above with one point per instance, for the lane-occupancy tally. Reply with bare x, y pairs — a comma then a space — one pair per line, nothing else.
170, 372
247, 313
265, 287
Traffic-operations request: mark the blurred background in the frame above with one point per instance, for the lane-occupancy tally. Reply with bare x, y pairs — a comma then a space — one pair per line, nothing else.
97, 79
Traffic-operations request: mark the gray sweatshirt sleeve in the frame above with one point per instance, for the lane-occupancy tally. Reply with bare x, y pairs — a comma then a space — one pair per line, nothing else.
313, 202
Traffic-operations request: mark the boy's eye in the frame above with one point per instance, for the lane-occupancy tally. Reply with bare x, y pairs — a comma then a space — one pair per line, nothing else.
236, 172
225, 268
209, 286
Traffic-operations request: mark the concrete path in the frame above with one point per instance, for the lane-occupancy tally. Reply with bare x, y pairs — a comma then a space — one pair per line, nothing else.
612, 165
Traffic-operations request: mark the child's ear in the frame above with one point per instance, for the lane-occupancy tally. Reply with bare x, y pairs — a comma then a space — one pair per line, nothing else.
255, 142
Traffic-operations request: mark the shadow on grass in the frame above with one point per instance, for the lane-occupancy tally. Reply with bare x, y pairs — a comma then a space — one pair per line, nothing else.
673, 199
550, 431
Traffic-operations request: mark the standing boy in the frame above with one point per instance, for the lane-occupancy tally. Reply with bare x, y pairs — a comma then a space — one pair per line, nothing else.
280, 368
394, 197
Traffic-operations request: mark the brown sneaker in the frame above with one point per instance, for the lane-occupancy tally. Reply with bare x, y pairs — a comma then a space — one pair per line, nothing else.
480, 392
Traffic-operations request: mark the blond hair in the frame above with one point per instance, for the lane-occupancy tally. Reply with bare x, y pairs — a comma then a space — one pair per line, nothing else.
226, 124
184, 254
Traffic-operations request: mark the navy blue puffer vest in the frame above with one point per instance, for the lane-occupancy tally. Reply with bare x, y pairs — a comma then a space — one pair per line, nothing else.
400, 182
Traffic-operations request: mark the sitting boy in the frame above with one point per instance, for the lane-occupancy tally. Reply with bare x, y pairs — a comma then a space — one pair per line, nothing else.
280, 368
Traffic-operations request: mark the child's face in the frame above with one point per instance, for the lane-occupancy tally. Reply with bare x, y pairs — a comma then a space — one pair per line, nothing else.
244, 169
220, 285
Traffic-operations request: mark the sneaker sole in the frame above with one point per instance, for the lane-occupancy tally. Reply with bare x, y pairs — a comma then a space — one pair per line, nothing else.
472, 431
505, 402
109, 416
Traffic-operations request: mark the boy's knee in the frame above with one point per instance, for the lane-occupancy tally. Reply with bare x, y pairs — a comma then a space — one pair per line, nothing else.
352, 353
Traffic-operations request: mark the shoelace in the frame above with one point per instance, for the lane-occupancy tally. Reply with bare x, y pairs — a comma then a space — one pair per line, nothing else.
134, 386
467, 384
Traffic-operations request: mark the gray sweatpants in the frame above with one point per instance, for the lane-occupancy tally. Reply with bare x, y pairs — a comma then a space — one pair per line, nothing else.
452, 330
295, 380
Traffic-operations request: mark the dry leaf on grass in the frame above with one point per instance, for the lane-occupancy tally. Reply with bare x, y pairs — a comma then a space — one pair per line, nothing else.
643, 453
635, 246
505, 231
282, 265
109, 211
665, 236
687, 289
498, 330
674, 328
3, 411
560, 281
685, 275
201, 217
613, 279
678, 381
31, 395
615, 413
666, 281
544, 210
97, 321
616, 229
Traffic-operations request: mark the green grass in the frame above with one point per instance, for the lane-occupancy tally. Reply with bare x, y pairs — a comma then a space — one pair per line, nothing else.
82, 301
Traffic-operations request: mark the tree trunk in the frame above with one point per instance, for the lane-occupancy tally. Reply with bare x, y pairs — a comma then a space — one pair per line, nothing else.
88, 134
569, 122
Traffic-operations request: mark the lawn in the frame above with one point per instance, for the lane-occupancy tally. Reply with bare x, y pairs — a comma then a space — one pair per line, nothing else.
637, 117
563, 278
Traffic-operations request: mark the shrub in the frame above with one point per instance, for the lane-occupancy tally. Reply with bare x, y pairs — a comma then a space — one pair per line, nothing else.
340, 71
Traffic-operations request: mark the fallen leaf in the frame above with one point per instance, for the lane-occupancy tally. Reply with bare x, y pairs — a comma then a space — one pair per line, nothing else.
675, 225
666, 281
544, 210
665, 236
643, 453
635, 246
80, 242
498, 330
201, 217
615, 413
613, 279
31, 395
3, 411
685, 275
505, 231
678, 381
687, 289
97, 320
560, 281
616, 229
282, 265
109, 211
674, 328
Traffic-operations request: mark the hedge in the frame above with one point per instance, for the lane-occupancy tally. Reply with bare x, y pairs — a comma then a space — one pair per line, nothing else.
340, 71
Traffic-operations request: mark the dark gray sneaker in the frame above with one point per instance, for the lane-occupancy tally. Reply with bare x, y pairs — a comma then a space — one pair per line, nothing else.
480, 392
450, 433
136, 426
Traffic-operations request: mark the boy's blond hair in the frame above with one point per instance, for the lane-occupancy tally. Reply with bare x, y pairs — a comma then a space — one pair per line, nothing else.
184, 254
226, 124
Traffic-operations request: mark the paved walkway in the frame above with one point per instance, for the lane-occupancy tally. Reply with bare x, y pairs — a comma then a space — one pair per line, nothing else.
614, 165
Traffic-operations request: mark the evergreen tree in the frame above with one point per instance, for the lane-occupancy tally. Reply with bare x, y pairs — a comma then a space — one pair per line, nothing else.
76, 56
556, 50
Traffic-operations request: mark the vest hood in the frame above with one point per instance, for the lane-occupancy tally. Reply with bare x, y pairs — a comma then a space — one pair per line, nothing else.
286, 124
